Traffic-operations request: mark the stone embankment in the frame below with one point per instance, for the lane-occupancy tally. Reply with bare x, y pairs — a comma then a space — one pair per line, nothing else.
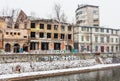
56, 63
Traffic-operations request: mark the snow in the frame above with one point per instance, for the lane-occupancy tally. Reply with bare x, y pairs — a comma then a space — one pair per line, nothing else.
57, 71
8, 70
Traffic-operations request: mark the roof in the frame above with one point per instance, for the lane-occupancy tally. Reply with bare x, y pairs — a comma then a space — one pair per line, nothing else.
14, 14
95, 27
85, 5
34, 19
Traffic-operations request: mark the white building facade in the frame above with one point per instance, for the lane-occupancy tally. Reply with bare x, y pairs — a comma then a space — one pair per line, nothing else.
87, 15
96, 39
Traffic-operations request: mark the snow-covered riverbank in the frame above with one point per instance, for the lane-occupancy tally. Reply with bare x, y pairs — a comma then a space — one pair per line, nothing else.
54, 72
14, 70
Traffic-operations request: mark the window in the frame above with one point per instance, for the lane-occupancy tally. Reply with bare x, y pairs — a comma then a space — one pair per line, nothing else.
63, 28
111, 31
7, 33
16, 26
108, 39
96, 29
88, 48
80, 12
95, 11
82, 48
33, 34
112, 48
69, 28
56, 46
44, 46
87, 38
95, 25
32, 25
18, 33
55, 27
102, 30
111, 39
11, 33
88, 29
82, 29
95, 20
41, 26
102, 39
49, 26
69, 36
25, 36
62, 36
96, 48
107, 30
55, 35
41, 35
107, 49
48, 35
14, 33
82, 38
96, 39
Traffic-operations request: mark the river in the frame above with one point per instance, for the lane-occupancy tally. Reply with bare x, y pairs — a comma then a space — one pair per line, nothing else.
104, 75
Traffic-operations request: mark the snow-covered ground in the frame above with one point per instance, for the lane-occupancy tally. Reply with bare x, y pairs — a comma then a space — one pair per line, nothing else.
10, 70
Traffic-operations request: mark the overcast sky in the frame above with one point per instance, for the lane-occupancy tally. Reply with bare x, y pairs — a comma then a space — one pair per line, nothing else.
109, 9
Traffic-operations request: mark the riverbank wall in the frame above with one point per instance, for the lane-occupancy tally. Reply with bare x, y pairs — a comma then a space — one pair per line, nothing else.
52, 73
12, 58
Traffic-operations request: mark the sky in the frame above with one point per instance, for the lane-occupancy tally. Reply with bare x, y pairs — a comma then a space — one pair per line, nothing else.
109, 9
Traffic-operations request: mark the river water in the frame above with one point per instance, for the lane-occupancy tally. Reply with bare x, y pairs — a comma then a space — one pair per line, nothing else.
104, 75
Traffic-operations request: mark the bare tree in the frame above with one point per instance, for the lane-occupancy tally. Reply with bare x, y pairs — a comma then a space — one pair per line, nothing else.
63, 17
59, 15
57, 10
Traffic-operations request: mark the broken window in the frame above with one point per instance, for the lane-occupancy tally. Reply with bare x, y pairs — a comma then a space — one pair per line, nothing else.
41, 26
33, 34
63, 28
56, 46
69, 36
49, 26
55, 35
41, 35
44, 46
14, 33
55, 27
7, 33
62, 36
11, 33
16, 26
48, 35
32, 25
69, 28
18, 33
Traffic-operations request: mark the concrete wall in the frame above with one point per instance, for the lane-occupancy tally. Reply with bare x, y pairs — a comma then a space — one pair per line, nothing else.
8, 58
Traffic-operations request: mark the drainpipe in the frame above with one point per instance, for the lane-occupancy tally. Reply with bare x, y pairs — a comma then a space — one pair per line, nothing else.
91, 40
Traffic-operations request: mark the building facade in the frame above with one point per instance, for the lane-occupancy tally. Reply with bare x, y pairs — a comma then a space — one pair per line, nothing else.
49, 35
96, 39
15, 33
87, 15
2, 26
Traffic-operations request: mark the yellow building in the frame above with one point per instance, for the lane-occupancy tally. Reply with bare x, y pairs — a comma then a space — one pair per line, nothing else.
48, 34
